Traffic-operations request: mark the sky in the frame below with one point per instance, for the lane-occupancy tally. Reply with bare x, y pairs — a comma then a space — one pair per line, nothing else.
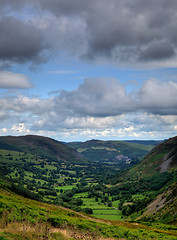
76, 70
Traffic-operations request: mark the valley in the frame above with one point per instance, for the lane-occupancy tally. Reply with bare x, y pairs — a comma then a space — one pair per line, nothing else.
112, 180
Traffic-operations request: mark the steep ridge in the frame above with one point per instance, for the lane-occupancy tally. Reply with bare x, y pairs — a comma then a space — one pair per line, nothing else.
41, 146
158, 173
163, 207
162, 158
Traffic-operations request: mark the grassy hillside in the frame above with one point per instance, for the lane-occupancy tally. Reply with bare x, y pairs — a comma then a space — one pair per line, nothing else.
122, 154
154, 180
163, 207
162, 158
22, 218
41, 146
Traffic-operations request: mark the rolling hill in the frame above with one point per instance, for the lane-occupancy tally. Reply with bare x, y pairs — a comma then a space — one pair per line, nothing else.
41, 146
121, 153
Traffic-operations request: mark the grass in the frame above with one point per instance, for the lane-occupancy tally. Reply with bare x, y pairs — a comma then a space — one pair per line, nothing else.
138, 196
115, 203
140, 146
81, 195
66, 187
90, 202
22, 218
101, 210
108, 217
106, 211
106, 148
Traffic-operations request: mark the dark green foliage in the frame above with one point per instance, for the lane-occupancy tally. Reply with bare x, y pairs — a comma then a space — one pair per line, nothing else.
57, 222
153, 183
88, 210
19, 189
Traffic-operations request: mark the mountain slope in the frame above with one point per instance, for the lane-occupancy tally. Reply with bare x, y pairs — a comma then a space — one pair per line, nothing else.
162, 158
120, 153
41, 146
154, 176
163, 207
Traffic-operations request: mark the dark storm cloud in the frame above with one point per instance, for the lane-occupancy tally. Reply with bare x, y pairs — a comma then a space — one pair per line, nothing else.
20, 41
158, 50
124, 31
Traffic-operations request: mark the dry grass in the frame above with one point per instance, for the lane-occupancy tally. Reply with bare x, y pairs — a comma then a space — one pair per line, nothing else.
28, 230
42, 231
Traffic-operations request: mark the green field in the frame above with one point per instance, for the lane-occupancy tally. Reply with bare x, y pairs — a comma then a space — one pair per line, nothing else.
66, 187
113, 216
99, 209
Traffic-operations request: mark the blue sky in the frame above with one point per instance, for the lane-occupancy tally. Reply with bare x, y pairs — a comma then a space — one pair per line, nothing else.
79, 70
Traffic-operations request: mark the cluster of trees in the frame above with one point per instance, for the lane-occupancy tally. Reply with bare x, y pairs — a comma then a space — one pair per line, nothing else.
21, 190
134, 206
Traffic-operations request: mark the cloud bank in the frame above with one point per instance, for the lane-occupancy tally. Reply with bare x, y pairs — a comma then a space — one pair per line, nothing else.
99, 104
122, 31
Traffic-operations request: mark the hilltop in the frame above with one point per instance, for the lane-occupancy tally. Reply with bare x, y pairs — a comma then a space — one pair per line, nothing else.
41, 146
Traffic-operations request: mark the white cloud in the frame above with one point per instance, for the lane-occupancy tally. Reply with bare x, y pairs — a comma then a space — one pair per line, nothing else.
159, 97
98, 107
14, 80
20, 129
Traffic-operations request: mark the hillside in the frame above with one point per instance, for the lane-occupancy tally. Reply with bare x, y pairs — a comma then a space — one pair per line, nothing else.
41, 146
162, 158
154, 179
24, 219
163, 207
121, 153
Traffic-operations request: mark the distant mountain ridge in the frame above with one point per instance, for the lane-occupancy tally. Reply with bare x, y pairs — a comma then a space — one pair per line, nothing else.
41, 146
145, 142
122, 153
